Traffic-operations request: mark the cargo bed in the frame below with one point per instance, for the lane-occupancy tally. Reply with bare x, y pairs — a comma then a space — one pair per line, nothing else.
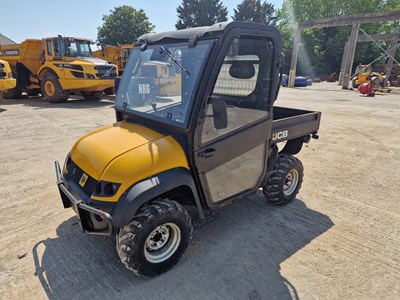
291, 123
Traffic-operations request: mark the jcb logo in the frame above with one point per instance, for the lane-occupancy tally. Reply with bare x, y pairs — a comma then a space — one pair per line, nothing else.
279, 135
83, 179
144, 88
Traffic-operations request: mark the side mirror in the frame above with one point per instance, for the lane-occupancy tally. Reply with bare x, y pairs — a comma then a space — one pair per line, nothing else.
220, 114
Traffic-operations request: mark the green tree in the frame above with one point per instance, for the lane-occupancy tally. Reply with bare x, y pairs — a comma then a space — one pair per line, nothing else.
255, 11
195, 13
123, 25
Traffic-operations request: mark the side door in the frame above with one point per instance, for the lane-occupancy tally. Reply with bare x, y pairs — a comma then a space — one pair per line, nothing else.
231, 158
49, 51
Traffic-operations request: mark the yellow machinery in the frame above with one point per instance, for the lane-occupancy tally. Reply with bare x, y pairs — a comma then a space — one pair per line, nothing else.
56, 67
364, 74
6, 79
117, 55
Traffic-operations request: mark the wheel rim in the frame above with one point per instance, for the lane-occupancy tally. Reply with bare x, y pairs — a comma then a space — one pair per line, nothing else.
162, 243
49, 88
291, 181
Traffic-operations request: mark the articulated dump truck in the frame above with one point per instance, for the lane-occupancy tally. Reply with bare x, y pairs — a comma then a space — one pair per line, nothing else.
6, 79
117, 55
56, 67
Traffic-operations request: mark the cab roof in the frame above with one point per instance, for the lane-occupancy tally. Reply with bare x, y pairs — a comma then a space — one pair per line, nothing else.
69, 38
204, 32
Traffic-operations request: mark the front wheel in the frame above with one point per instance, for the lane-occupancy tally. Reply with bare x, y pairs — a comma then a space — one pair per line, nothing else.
33, 92
92, 95
285, 181
52, 90
155, 239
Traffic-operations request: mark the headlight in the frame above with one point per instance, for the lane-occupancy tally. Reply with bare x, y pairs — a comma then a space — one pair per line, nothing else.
89, 76
78, 74
106, 189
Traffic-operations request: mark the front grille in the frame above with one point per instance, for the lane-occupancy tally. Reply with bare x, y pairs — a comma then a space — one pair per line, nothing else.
74, 173
107, 72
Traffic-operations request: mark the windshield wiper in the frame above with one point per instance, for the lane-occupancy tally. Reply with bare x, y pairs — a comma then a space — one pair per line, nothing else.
174, 59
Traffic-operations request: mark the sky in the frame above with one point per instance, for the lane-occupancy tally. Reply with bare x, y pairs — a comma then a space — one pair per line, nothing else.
28, 19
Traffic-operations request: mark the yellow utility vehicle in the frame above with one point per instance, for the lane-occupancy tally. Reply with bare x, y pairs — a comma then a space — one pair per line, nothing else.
6, 79
204, 142
56, 67
364, 74
117, 55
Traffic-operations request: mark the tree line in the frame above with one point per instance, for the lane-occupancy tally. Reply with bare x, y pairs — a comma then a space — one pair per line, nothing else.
323, 48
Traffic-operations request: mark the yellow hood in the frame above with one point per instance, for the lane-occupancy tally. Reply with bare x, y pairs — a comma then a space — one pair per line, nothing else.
126, 153
95, 150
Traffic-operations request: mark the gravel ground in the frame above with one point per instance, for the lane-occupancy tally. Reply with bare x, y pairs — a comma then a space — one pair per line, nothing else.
338, 240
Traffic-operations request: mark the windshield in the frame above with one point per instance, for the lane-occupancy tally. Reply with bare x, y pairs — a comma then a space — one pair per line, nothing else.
73, 48
159, 82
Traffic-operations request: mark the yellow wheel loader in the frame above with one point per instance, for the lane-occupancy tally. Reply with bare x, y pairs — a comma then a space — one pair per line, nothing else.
364, 74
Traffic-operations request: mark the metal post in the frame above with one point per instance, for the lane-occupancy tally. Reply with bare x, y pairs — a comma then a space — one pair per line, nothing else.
295, 54
352, 49
391, 52
344, 61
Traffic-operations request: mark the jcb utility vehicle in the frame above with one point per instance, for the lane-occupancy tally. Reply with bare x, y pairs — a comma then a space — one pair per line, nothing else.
208, 145
6, 79
56, 67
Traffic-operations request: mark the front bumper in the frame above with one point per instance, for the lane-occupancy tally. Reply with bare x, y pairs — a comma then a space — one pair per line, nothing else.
87, 85
86, 214
6, 84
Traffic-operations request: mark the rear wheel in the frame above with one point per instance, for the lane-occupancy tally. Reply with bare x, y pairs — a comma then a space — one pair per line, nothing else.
109, 91
14, 93
285, 181
51, 89
92, 95
155, 239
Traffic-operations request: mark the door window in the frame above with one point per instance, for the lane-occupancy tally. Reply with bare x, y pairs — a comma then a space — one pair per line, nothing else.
243, 86
49, 47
